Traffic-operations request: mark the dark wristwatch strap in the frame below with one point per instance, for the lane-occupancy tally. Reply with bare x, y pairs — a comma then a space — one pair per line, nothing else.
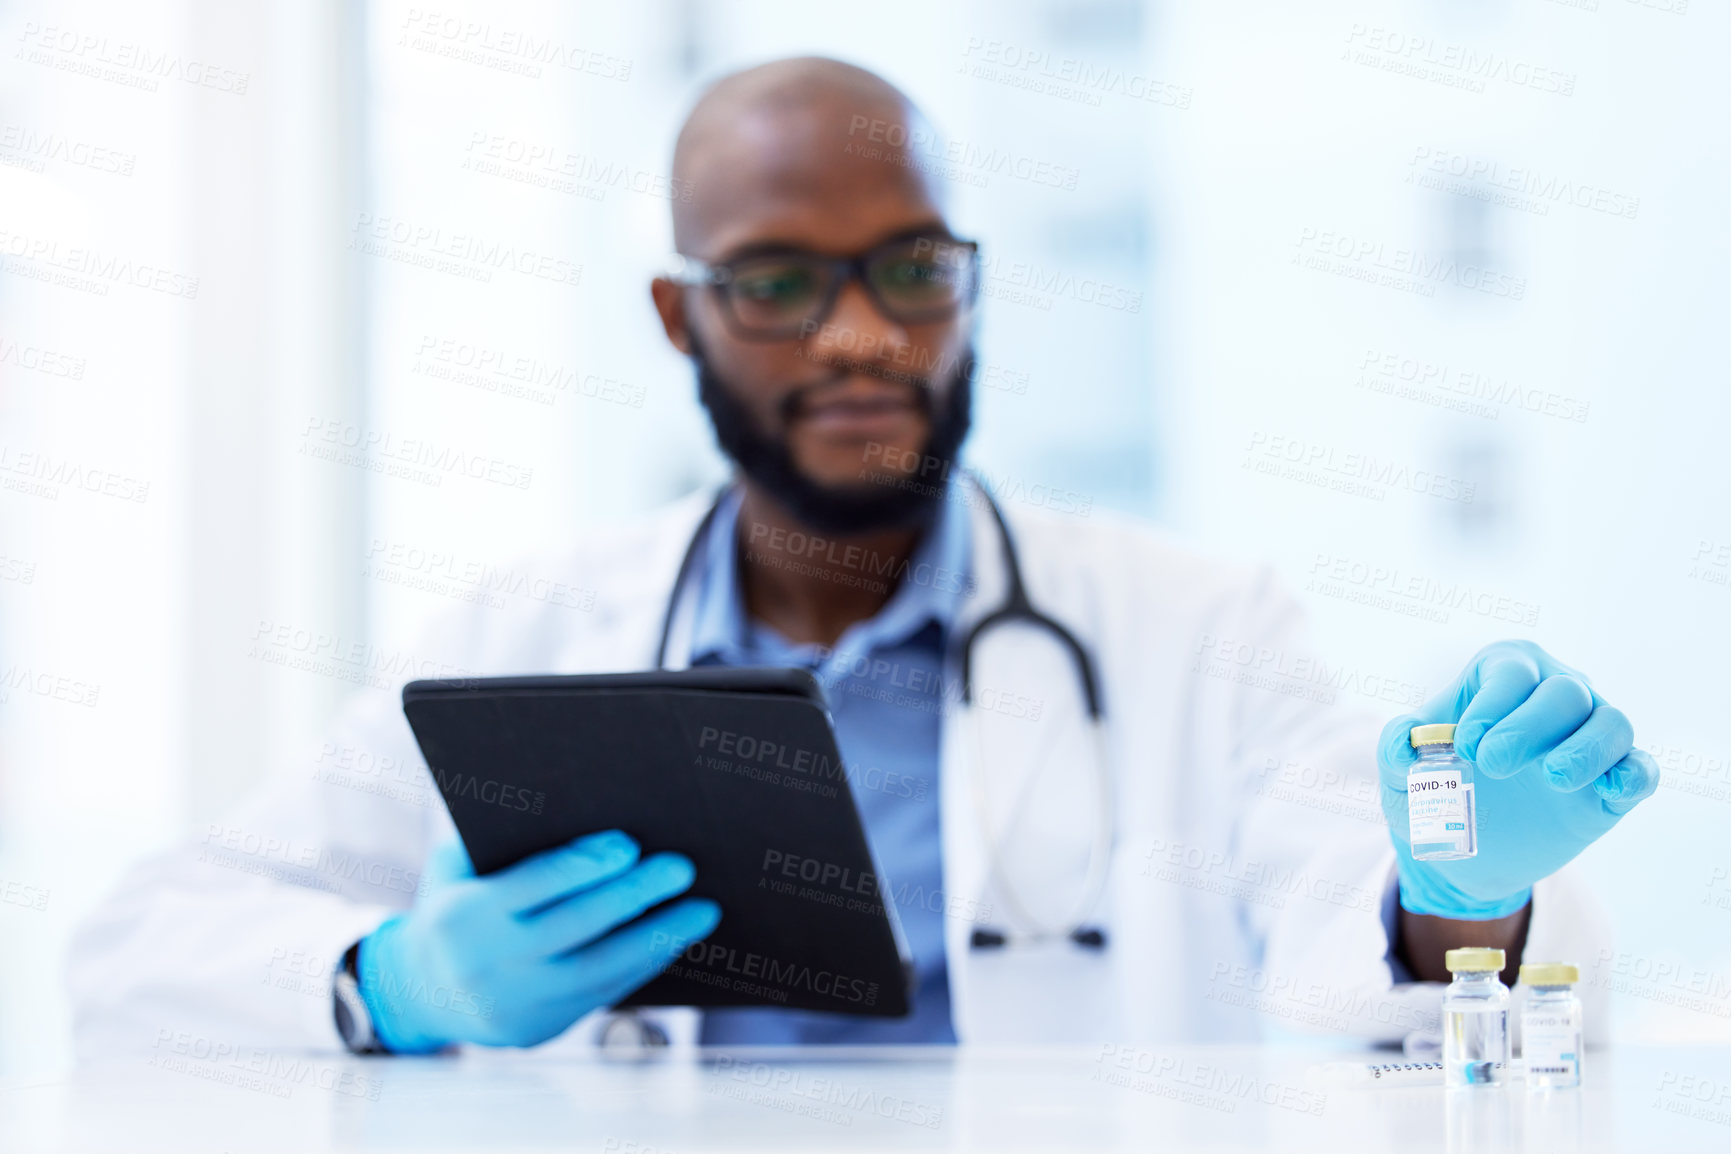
354, 1020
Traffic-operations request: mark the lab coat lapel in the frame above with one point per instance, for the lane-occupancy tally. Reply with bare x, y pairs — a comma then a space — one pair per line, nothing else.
964, 853
1021, 733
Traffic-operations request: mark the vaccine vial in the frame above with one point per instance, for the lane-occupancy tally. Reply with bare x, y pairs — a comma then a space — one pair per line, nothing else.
1551, 1025
1439, 797
1475, 1019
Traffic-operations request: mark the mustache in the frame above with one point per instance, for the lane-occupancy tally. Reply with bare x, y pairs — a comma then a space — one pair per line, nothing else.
918, 388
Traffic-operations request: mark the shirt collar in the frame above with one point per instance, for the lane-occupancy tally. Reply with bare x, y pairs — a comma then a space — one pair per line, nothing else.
930, 587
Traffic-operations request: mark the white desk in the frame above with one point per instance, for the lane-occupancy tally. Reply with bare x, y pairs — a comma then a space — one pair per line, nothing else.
1196, 1098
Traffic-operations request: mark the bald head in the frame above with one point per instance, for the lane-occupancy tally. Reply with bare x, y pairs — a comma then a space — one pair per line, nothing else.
786, 144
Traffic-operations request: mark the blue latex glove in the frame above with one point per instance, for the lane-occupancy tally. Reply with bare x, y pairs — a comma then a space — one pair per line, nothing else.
1554, 768
514, 958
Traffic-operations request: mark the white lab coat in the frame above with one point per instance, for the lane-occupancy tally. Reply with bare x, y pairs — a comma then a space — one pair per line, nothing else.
1242, 894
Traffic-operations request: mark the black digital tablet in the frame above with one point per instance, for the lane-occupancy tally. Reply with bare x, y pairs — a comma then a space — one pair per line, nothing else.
738, 769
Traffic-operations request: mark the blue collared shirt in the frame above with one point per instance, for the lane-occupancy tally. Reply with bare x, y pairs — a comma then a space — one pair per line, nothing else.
887, 687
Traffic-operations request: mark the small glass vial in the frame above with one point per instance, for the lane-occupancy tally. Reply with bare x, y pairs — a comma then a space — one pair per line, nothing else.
1551, 1025
1439, 797
1475, 1019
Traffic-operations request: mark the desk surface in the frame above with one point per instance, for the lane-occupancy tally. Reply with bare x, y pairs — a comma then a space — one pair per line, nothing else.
1191, 1098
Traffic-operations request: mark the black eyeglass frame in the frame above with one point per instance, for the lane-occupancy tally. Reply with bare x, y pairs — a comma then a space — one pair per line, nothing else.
717, 275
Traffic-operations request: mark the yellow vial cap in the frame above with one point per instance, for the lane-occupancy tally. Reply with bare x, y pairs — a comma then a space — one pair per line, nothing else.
1432, 735
1473, 961
1549, 974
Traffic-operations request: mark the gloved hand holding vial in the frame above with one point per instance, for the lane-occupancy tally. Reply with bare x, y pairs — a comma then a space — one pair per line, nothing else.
1540, 767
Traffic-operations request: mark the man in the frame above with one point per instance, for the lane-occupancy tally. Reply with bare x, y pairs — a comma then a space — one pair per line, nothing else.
828, 310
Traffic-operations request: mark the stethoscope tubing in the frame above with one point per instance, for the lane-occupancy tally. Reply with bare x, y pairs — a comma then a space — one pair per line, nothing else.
1016, 608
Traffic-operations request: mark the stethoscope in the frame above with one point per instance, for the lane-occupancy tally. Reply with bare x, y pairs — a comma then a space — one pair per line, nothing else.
1016, 608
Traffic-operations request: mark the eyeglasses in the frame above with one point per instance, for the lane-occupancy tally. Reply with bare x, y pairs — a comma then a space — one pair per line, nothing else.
778, 294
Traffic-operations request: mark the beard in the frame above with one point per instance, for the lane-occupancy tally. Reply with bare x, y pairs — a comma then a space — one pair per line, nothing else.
843, 510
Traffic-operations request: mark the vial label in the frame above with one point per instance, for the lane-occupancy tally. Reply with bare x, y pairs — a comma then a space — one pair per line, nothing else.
1437, 803
1549, 1042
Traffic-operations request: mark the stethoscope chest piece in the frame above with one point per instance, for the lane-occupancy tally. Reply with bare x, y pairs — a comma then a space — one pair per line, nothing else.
1088, 937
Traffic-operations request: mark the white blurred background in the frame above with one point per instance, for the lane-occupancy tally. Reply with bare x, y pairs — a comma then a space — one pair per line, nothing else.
1473, 248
